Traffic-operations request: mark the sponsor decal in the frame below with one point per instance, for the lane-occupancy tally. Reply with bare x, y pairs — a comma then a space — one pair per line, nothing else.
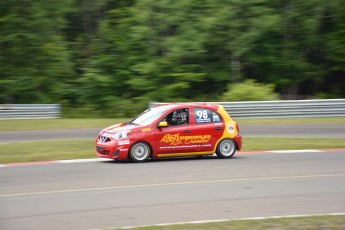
110, 128
176, 139
231, 128
125, 142
146, 130
185, 146
105, 134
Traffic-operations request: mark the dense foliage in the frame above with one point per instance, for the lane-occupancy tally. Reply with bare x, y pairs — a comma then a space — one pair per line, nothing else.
249, 90
112, 57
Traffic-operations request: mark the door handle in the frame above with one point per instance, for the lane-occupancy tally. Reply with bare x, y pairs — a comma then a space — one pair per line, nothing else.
187, 131
218, 128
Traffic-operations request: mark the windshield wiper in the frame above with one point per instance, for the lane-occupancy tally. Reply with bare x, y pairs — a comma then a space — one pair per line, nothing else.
131, 123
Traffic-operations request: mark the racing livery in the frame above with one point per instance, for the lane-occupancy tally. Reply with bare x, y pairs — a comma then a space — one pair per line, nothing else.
172, 130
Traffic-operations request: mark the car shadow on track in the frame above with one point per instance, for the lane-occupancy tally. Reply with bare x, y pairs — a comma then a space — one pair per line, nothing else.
174, 159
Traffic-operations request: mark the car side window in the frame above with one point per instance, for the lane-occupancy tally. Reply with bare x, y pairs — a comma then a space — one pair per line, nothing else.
206, 116
177, 117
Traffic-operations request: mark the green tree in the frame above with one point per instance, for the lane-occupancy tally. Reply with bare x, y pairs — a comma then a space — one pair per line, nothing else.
235, 28
34, 59
112, 57
144, 52
295, 54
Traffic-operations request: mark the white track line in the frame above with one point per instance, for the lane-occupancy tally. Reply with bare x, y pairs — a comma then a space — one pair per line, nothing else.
105, 159
297, 151
83, 160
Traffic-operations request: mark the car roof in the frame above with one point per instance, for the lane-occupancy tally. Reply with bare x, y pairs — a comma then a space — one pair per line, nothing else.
189, 104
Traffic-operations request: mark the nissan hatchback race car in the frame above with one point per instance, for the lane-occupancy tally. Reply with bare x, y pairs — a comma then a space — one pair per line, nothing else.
172, 130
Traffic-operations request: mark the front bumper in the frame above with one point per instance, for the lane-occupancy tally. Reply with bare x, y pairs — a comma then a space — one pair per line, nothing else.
114, 149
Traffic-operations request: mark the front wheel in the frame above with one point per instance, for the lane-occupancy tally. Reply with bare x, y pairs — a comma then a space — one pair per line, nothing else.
139, 152
226, 148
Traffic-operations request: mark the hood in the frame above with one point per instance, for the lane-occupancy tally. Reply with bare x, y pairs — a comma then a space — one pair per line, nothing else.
117, 128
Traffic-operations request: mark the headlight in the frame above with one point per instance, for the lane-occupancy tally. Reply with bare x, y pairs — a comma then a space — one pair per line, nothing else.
122, 134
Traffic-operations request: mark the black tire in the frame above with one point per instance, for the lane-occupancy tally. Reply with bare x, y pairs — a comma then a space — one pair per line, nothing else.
139, 152
226, 148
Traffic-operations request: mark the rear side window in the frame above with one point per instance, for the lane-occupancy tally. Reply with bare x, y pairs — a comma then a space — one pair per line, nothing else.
206, 116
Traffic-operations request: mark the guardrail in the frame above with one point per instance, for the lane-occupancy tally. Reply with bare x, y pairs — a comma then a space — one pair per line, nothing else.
281, 109
247, 109
29, 111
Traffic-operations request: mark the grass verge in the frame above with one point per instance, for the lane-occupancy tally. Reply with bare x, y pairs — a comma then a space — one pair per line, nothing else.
329, 222
291, 143
47, 150
84, 148
306, 120
41, 124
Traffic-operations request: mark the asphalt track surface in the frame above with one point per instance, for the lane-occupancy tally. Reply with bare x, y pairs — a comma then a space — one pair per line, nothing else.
112, 194
275, 130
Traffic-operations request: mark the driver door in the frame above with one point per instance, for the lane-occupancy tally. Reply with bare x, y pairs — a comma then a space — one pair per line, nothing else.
172, 139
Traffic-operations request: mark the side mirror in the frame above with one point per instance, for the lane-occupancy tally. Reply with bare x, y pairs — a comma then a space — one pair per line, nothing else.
163, 124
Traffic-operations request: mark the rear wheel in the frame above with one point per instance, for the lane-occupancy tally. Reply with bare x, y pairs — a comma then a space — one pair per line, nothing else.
139, 152
226, 148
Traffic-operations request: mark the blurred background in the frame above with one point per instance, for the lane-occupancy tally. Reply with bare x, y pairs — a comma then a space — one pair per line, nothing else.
110, 58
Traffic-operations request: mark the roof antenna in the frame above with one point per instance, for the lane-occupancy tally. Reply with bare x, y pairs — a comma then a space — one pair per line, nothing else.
206, 97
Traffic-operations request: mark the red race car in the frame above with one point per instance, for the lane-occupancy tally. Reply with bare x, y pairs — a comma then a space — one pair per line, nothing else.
172, 130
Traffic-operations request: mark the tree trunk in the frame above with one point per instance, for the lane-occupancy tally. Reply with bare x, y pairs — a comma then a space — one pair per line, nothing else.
235, 68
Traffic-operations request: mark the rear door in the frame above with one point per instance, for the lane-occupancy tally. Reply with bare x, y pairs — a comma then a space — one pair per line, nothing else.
209, 127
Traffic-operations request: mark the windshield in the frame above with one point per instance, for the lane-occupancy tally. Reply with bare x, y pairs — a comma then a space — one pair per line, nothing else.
148, 116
